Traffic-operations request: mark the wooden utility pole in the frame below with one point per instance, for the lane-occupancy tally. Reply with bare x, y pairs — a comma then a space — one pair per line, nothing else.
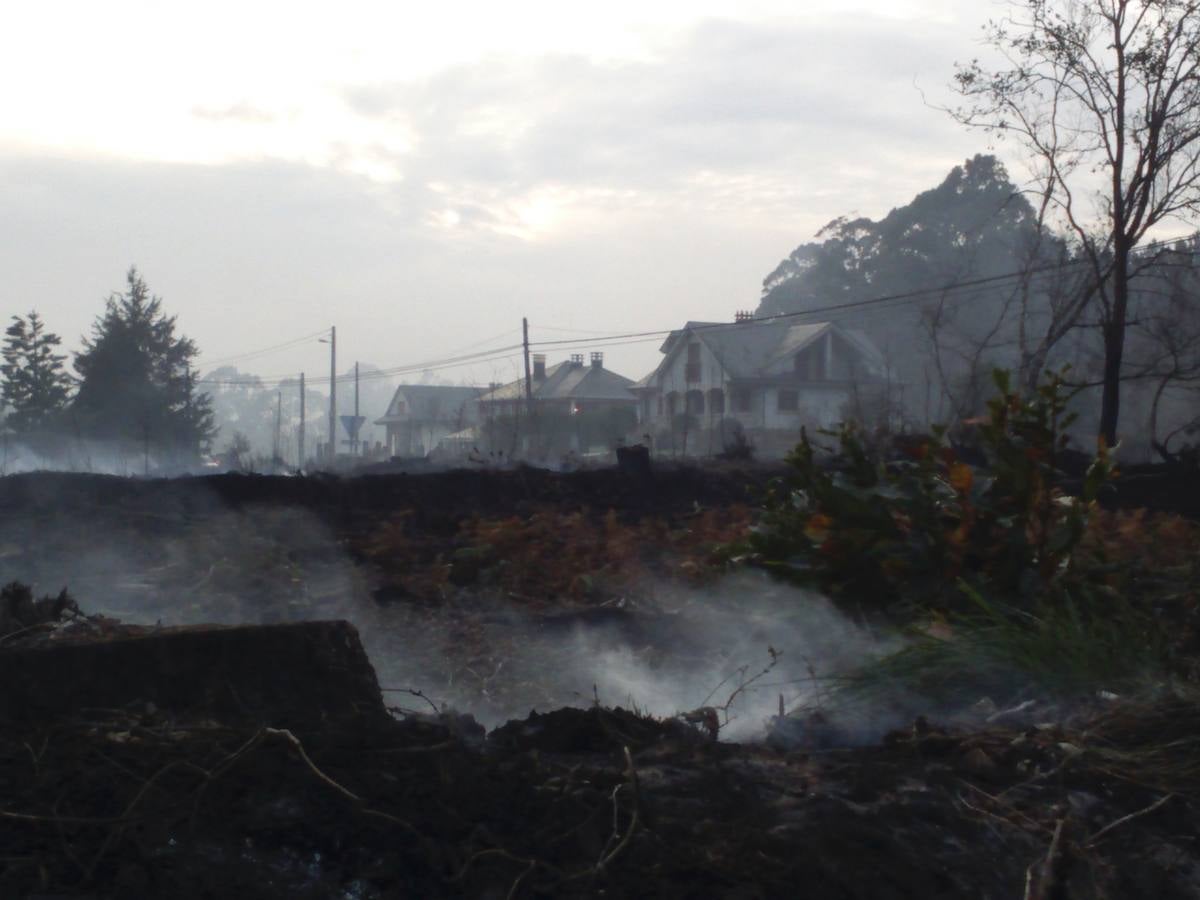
332, 395
354, 441
528, 394
300, 447
528, 377
278, 450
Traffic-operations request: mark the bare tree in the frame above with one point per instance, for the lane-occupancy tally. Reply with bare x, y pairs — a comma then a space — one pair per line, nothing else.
1166, 346
1105, 97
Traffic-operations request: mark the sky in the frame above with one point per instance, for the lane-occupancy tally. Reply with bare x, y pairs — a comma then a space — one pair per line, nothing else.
423, 176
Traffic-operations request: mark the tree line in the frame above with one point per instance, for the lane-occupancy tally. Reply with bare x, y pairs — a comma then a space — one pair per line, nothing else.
134, 385
1102, 100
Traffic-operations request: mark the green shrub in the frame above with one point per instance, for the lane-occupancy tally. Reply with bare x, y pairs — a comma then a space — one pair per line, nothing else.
985, 567
894, 534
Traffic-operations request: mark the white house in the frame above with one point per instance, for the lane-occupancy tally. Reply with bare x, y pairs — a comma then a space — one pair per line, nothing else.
766, 378
577, 407
421, 416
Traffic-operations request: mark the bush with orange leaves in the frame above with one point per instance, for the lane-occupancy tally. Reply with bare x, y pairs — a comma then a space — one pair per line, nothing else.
891, 534
1002, 578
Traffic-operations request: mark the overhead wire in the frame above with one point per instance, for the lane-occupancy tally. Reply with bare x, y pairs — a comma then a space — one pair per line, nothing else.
434, 365
951, 291
251, 354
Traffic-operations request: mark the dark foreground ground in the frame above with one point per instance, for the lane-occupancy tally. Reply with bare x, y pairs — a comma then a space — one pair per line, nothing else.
283, 775
161, 759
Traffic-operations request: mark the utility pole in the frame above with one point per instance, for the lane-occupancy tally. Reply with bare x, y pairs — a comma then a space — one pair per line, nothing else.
528, 378
300, 446
278, 454
333, 395
354, 442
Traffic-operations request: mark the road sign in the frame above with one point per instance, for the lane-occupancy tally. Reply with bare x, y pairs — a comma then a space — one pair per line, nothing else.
352, 424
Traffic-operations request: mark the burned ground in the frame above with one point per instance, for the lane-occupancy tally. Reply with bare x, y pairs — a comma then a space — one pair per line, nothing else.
194, 798
281, 771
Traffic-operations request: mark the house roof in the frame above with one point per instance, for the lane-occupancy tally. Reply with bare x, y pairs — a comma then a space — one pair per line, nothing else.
568, 381
428, 401
748, 349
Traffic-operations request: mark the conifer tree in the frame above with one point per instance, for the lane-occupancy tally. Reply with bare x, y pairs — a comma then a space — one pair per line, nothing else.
33, 384
137, 383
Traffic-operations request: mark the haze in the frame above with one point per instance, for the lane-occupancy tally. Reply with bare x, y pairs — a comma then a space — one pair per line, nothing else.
423, 178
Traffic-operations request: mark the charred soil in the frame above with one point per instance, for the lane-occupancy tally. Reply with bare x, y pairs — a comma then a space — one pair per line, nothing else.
159, 757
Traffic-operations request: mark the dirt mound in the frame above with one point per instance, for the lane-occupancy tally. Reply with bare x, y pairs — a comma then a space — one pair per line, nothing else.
299, 674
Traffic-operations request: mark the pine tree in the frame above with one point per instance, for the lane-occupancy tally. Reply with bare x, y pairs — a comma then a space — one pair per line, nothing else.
33, 383
137, 383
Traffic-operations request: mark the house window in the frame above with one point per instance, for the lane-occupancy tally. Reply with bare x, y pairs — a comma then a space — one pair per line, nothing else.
399, 407
692, 372
741, 401
660, 404
789, 401
716, 402
695, 403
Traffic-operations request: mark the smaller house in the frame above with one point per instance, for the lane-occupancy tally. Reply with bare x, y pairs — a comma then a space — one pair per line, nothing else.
576, 407
762, 378
421, 416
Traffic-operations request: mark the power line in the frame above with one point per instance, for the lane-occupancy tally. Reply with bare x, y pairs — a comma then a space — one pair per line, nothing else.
265, 350
432, 365
897, 299
954, 291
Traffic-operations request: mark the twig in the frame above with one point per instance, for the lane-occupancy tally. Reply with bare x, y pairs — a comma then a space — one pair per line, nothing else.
1040, 776
37, 757
531, 864
117, 832
991, 815
1129, 818
741, 688
516, 885
299, 748
415, 693
44, 626
259, 737
631, 774
1036, 889
1037, 826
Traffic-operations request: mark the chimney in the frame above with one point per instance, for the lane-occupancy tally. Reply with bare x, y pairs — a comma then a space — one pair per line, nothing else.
743, 315
597, 360
539, 367
576, 359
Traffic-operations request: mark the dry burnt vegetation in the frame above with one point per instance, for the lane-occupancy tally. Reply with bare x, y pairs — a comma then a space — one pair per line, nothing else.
1042, 685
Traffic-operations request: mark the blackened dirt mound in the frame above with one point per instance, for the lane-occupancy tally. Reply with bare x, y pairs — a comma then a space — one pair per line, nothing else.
195, 799
303, 674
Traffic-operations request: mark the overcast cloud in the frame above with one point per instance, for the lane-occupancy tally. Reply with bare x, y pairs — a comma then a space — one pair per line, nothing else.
426, 212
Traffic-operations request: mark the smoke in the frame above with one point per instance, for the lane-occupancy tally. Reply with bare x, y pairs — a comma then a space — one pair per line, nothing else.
178, 554
740, 646
95, 457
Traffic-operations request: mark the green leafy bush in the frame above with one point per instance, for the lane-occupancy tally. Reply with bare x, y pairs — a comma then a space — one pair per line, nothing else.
1001, 579
888, 534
